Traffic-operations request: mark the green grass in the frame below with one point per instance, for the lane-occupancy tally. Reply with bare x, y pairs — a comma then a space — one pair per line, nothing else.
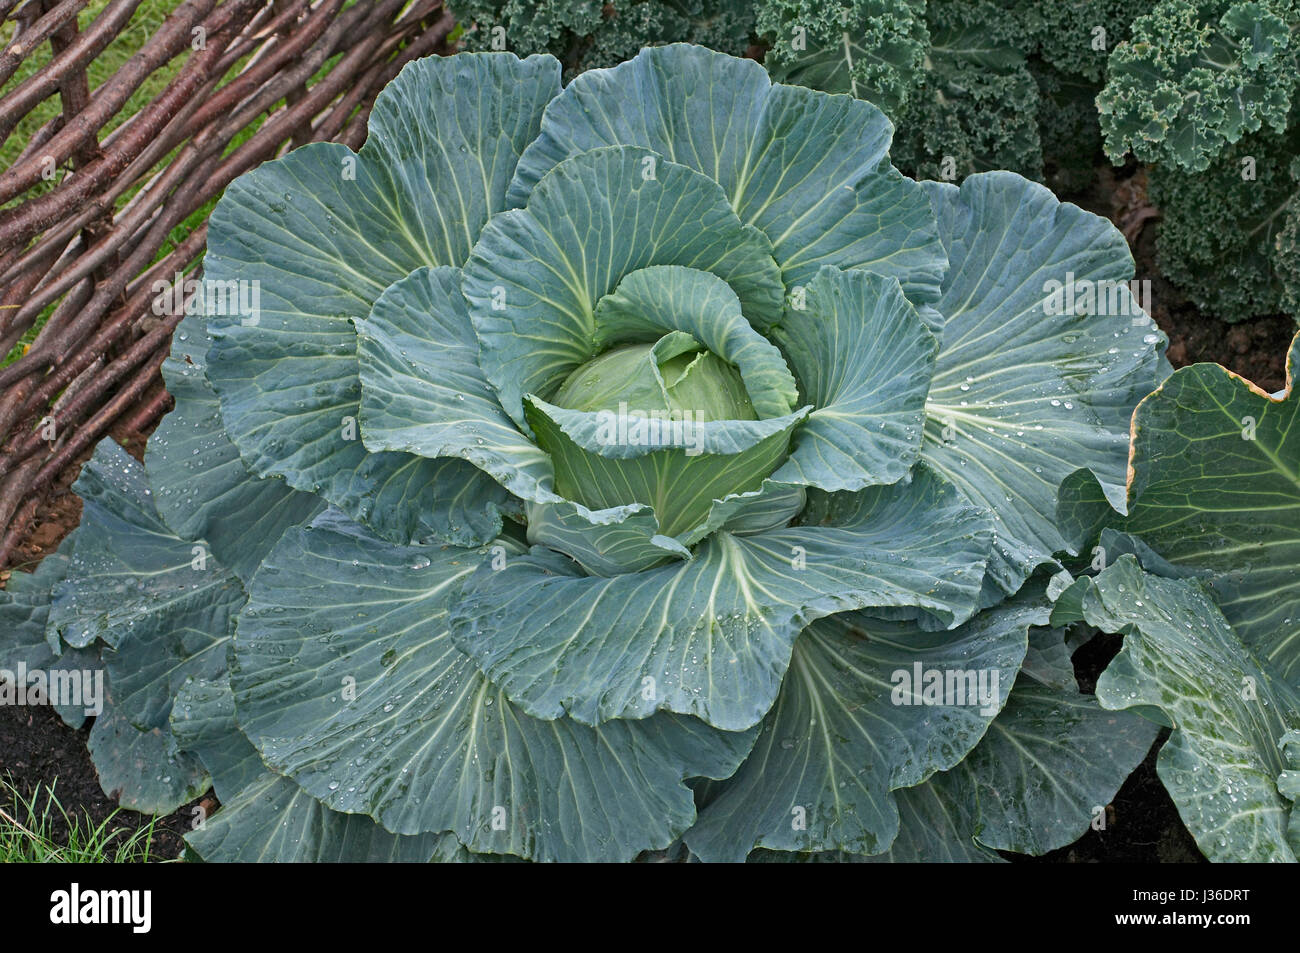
38, 829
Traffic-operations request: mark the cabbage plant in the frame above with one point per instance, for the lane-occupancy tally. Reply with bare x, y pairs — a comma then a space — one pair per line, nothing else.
640, 465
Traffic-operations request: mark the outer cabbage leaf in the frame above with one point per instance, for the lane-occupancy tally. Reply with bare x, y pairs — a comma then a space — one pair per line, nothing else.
852, 724
265, 818
1215, 492
1048, 660
200, 486
1048, 761
809, 169
25, 609
322, 232
1288, 783
933, 827
25, 642
273, 820
712, 637
606, 542
128, 569
348, 682
1222, 763
1021, 398
144, 771
166, 611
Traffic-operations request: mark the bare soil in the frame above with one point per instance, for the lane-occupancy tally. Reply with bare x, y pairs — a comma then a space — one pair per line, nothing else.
38, 751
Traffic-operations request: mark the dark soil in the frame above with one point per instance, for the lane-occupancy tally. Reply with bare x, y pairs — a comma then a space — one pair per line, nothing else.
38, 750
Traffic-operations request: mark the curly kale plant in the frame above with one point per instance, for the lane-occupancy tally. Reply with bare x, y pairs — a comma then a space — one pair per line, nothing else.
1207, 91
588, 34
1229, 236
993, 84
1197, 75
576, 473
997, 84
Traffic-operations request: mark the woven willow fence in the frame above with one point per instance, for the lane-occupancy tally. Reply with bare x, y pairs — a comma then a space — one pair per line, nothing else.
91, 220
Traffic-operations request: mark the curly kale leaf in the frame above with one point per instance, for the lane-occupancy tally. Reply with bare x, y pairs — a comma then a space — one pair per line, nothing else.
977, 106
1286, 252
1011, 84
1228, 235
966, 119
950, 76
970, 86
1197, 76
872, 49
1075, 36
